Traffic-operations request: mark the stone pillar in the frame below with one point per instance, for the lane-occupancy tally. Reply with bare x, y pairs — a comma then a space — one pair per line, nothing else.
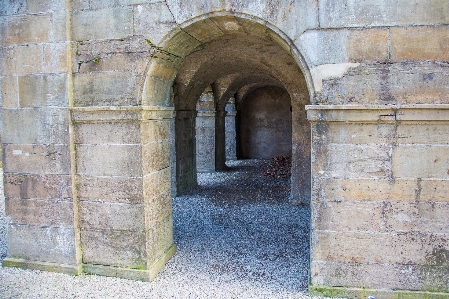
230, 130
205, 133
220, 141
124, 191
380, 208
185, 150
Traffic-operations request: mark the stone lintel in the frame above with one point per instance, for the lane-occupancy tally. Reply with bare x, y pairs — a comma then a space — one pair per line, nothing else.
350, 292
127, 113
43, 266
134, 274
378, 113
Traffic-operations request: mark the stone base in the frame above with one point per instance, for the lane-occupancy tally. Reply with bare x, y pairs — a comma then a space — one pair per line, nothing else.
342, 292
134, 274
44, 266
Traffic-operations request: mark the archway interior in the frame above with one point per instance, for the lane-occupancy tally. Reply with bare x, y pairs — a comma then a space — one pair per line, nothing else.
232, 59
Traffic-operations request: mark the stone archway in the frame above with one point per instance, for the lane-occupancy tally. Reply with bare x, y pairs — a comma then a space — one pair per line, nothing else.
234, 55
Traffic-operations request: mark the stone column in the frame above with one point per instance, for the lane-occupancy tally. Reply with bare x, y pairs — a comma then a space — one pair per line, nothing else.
185, 150
205, 133
230, 130
124, 192
220, 141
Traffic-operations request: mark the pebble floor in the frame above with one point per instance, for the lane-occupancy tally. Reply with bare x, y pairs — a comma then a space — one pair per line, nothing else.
237, 237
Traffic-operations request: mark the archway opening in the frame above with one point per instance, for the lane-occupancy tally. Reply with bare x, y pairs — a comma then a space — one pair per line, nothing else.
223, 60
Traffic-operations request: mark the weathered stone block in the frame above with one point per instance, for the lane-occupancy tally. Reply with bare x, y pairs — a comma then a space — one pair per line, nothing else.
158, 208
434, 190
114, 247
153, 21
424, 217
420, 43
353, 133
36, 158
112, 216
154, 131
432, 163
155, 156
367, 44
109, 160
47, 244
26, 29
383, 248
109, 23
434, 133
159, 89
353, 161
43, 90
35, 125
45, 187
348, 216
388, 276
105, 89
342, 13
156, 183
367, 189
9, 96
110, 189
108, 133
159, 239
22, 60
55, 58
204, 36
98, 62
40, 212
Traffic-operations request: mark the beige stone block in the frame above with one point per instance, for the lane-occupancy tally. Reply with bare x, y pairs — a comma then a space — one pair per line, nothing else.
109, 160
36, 158
26, 29
183, 12
22, 60
352, 161
163, 68
55, 58
114, 247
105, 89
44, 187
107, 133
43, 90
35, 125
368, 189
341, 13
435, 133
434, 190
156, 183
197, 30
424, 217
129, 45
153, 20
353, 133
40, 212
110, 189
9, 91
382, 248
109, 23
378, 276
154, 131
348, 216
368, 44
130, 62
181, 44
158, 208
155, 156
420, 43
421, 161
159, 239
54, 244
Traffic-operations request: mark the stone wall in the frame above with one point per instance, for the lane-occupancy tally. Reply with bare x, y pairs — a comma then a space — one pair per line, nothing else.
95, 93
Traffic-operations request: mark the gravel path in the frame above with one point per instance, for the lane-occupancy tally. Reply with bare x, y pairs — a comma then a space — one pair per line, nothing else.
237, 237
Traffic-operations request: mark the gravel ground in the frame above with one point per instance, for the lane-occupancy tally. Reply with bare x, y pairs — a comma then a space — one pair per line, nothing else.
237, 237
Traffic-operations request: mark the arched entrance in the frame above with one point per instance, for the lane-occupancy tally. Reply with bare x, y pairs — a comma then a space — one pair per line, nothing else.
235, 56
